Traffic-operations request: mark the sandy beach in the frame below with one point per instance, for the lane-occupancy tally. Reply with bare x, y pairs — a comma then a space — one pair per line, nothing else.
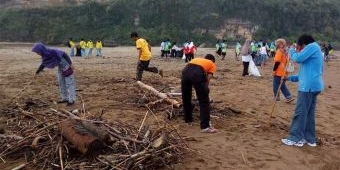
248, 137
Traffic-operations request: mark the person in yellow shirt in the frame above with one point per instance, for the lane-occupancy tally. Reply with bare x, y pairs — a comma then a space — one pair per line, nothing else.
279, 71
90, 47
71, 45
144, 57
197, 73
99, 46
82, 44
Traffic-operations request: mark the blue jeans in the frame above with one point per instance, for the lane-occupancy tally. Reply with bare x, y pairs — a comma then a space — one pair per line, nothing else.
303, 123
284, 89
71, 51
83, 54
99, 52
89, 52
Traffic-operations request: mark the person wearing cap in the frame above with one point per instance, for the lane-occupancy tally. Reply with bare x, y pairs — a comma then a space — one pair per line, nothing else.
52, 58
197, 73
144, 57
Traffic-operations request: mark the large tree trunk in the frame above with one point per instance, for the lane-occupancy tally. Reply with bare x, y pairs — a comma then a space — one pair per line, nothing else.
86, 137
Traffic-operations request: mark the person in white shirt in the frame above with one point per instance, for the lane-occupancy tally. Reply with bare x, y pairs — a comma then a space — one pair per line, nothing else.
162, 48
175, 51
263, 54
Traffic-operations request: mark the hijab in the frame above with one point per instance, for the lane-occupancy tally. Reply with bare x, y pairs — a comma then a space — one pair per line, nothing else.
245, 47
50, 57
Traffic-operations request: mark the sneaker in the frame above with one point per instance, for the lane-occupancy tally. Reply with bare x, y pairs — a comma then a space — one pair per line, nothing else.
310, 144
160, 72
289, 100
292, 143
209, 130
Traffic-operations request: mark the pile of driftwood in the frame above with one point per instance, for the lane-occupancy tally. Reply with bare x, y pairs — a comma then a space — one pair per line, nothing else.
59, 139
161, 102
173, 108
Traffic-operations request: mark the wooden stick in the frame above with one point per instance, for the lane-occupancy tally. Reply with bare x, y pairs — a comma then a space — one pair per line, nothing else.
71, 115
124, 138
83, 103
276, 95
3, 160
58, 113
19, 167
159, 124
173, 94
15, 137
61, 158
278, 90
140, 127
159, 94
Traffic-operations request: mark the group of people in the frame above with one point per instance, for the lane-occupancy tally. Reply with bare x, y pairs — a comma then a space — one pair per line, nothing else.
308, 54
84, 49
221, 49
170, 49
198, 72
187, 52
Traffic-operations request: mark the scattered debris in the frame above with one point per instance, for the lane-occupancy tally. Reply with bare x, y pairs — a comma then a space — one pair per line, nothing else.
59, 139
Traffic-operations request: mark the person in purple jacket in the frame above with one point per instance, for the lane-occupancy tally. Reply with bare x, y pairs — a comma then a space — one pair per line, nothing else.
52, 58
310, 78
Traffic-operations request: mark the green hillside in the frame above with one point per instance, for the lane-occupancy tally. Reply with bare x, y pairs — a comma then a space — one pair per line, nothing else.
179, 20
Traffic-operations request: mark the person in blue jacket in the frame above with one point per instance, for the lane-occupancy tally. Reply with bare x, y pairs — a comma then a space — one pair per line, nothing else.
310, 78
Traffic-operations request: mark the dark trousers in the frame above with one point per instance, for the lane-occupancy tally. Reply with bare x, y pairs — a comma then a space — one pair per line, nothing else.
173, 53
245, 68
144, 65
194, 76
189, 57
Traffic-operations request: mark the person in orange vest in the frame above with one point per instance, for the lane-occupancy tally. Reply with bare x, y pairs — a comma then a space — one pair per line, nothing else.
281, 60
197, 73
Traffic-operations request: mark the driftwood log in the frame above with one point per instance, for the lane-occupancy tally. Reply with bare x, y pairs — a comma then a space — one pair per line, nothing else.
88, 139
163, 96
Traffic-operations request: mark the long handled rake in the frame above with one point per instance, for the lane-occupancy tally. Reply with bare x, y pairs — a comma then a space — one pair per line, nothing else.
276, 95
278, 90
